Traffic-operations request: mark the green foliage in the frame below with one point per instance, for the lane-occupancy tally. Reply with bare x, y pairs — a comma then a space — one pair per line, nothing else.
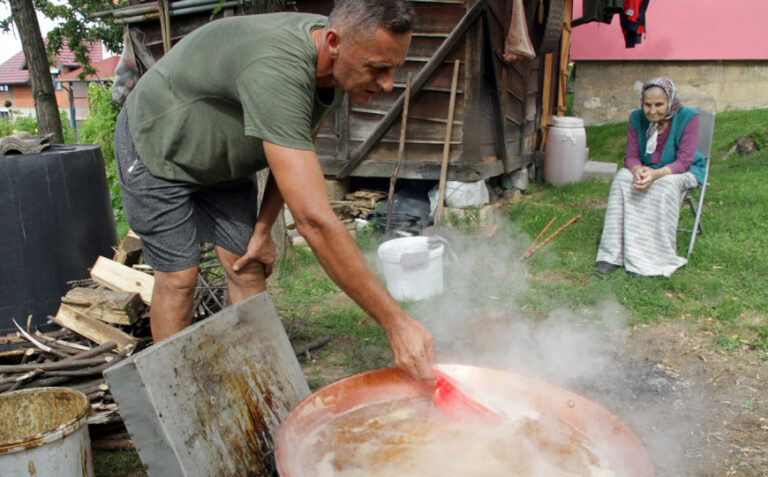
26, 123
70, 135
749, 404
466, 220
76, 27
99, 129
370, 237
759, 138
6, 127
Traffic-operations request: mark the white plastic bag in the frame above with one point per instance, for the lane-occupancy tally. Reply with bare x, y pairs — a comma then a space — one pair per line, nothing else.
460, 195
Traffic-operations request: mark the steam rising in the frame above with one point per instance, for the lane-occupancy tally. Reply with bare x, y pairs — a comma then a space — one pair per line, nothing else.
482, 319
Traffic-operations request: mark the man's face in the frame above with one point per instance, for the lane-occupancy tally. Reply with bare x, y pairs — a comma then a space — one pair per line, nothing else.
366, 63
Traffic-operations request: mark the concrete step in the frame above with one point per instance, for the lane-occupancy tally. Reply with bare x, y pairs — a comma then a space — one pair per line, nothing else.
601, 171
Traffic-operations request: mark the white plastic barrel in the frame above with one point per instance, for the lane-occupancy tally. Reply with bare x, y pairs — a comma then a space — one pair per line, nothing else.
565, 152
44, 432
412, 270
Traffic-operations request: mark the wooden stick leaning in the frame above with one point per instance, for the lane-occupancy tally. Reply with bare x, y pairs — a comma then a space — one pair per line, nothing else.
400, 155
535, 249
447, 146
538, 237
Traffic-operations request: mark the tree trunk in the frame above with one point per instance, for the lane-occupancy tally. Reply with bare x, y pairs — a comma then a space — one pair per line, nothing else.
48, 120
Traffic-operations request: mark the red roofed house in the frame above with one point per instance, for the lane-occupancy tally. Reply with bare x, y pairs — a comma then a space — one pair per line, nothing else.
16, 87
77, 89
713, 50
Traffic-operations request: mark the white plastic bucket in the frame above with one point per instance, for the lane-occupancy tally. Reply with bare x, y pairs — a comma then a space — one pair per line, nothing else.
566, 150
412, 270
44, 432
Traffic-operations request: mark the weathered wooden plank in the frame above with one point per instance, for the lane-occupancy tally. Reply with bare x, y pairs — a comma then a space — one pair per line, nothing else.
92, 329
437, 17
341, 129
109, 306
440, 79
432, 104
418, 130
119, 277
418, 82
372, 112
493, 68
421, 170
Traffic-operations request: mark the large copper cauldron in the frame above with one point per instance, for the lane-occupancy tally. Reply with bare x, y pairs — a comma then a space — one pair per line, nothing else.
619, 445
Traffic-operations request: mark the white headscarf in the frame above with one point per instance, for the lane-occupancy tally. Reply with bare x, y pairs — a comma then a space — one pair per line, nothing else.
652, 134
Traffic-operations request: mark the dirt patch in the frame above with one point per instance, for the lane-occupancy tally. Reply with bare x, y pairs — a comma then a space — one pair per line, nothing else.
592, 204
722, 396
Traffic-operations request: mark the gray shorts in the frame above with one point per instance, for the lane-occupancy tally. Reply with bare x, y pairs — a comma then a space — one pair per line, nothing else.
173, 218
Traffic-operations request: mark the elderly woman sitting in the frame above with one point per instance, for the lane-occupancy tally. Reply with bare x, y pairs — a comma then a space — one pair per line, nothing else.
660, 163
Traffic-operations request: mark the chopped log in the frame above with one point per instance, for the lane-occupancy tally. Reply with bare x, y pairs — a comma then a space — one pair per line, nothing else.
94, 330
128, 252
119, 277
109, 306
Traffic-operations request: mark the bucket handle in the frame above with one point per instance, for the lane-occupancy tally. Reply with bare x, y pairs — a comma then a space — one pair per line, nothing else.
436, 240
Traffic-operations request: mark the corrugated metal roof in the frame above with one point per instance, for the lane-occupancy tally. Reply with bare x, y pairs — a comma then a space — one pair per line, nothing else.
105, 69
14, 71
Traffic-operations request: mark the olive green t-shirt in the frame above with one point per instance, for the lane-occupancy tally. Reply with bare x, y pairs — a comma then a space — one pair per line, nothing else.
200, 114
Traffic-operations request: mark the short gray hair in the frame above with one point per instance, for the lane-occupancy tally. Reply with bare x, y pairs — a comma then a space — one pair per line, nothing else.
363, 16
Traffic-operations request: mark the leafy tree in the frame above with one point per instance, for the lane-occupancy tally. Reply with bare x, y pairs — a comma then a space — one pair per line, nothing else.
75, 28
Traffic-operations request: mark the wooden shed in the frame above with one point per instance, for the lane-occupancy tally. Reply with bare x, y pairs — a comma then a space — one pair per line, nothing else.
501, 109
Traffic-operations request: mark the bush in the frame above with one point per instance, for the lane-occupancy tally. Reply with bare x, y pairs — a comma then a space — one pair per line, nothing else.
70, 135
99, 129
26, 123
6, 127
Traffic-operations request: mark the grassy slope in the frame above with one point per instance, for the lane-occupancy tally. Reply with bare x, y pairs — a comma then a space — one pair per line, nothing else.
724, 284
723, 287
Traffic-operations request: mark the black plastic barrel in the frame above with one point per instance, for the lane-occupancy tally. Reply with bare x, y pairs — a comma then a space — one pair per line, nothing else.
55, 220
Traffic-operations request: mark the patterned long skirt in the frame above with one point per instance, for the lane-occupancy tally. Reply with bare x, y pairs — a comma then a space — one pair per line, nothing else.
640, 230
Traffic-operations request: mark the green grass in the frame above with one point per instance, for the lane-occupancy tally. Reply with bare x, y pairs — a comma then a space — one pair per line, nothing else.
117, 463
304, 297
723, 287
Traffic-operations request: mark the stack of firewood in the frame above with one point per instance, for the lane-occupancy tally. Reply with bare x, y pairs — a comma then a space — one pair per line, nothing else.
357, 204
103, 320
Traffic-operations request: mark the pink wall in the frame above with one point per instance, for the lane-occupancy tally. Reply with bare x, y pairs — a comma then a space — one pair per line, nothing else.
681, 30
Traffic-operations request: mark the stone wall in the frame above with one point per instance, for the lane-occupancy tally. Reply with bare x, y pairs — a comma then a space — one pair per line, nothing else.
607, 91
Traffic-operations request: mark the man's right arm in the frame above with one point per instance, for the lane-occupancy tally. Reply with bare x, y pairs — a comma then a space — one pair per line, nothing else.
301, 183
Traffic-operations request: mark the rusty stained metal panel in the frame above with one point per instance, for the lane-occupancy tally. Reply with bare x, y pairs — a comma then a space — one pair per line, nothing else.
208, 400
